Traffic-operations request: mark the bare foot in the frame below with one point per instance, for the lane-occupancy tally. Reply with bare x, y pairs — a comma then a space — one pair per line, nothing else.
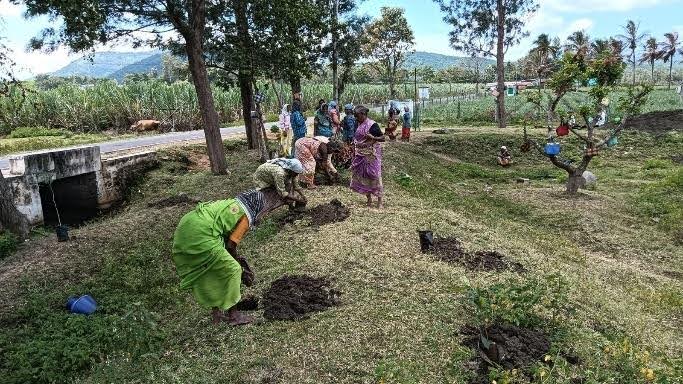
380, 206
312, 186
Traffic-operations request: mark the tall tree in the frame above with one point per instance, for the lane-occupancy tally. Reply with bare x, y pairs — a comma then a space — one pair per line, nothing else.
544, 51
499, 23
578, 42
632, 39
346, 45
10, 218
87, 23
668, 51
650, 55
390, 39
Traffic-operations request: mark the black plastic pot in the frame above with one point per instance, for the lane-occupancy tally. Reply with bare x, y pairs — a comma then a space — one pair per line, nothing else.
62, 233
426, 240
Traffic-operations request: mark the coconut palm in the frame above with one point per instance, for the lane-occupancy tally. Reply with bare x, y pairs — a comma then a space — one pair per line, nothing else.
632, 38
669, 50
543, 52
579, 43
650, 55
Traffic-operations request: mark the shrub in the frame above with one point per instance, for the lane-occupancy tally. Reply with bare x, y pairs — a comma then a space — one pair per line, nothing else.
23, 132
8, 244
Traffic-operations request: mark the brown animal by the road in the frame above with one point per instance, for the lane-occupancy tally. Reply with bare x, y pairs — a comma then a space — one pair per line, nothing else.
145, 125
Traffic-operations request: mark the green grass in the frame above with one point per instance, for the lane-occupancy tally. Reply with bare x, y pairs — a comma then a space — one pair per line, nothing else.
600, 282
8, 244
482, 111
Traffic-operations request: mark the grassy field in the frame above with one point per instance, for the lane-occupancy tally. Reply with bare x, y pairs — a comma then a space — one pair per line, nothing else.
482, 111
605, 269
36, 138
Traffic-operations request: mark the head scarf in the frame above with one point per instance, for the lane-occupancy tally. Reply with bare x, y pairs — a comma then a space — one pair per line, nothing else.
252, 202
284, 110
293, 165
348, 106
333, 104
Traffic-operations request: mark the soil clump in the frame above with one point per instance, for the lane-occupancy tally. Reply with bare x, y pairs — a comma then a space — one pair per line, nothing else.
451, 250
296, 297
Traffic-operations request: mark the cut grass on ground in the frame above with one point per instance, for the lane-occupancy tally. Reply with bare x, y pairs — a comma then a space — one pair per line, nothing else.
619, 309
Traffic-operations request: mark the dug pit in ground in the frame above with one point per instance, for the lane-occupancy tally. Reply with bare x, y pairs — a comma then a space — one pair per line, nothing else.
506, 346
332, 212
297, 297
451, 250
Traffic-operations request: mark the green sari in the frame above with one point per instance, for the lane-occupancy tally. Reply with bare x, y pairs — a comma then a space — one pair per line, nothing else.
202, 262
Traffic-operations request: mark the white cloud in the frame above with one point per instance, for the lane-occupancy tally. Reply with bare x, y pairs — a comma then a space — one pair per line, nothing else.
587, 6
8, 9
31, 63
584, 24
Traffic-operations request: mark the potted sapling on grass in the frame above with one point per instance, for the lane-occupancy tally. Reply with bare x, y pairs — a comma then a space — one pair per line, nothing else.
603, 69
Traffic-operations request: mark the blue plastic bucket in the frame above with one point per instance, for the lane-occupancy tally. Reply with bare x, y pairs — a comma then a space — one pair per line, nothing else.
84, 305
552, 149
612, 141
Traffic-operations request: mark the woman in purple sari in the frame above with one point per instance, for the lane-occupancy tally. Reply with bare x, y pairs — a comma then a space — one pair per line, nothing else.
367, 163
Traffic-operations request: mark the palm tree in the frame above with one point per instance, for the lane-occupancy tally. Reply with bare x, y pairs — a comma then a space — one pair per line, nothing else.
650, 55
600, 46
579, 43
668, 51
544, 51
632, 38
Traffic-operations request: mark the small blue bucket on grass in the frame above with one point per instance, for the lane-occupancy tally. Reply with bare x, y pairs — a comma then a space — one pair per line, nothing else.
84, 305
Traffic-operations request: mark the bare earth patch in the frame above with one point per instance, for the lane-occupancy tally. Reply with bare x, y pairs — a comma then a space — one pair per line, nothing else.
296, 297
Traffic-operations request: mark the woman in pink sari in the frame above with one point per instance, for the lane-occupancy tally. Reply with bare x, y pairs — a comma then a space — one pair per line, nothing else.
367, 163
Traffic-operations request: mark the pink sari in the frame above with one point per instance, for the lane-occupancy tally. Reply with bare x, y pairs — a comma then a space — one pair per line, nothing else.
367, 163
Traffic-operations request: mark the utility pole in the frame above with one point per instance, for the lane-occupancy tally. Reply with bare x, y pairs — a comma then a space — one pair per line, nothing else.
335, 56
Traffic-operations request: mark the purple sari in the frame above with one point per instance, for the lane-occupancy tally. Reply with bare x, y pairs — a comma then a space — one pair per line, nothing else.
367, 163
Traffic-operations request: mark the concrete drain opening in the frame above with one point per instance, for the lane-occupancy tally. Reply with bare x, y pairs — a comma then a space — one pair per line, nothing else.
71, 199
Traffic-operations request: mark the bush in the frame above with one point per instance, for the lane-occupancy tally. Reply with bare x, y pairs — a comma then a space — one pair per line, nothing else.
8, 244
24, 132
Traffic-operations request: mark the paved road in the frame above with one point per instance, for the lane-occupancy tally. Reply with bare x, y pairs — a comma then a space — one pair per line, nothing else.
147, 141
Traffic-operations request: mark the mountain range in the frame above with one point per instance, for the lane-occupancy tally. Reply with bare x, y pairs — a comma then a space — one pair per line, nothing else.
116, 65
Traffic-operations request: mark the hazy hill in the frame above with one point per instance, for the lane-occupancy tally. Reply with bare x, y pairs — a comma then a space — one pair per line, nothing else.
438, 61
102, 64
146, 65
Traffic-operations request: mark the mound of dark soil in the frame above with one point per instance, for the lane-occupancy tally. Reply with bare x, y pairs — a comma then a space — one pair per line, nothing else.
508, 346
658, 121
173, 201
331, 212
296, 297
450, 250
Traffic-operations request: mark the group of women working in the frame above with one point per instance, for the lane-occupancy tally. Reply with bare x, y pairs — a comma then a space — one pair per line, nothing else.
205, 241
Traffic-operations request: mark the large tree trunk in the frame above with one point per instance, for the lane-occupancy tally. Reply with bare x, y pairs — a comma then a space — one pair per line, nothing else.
335, 56
500, 64
245, 74
214, 142
10, 218
652, 65
671, 67
247, 95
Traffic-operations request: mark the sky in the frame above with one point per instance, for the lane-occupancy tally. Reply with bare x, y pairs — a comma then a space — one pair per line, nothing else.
601, 18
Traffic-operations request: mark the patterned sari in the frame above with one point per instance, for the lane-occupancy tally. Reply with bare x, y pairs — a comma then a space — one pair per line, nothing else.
367, 163
306, 152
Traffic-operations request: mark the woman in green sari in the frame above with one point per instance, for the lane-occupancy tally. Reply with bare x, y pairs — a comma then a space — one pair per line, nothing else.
205, 251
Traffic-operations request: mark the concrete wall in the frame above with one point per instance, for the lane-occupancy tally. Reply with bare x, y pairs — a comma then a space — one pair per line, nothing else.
109, 177
117, 172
